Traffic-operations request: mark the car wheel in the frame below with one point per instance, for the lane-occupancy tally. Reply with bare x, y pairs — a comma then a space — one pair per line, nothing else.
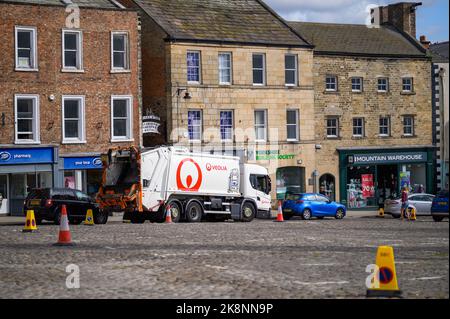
340, 214
194, 212
307, 214
101, 217
175, 211
248, 212
438, 219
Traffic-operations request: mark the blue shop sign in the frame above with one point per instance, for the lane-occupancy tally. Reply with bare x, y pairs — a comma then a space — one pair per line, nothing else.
81, 163
12, 156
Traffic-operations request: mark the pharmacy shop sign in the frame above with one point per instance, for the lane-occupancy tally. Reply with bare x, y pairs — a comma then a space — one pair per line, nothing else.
388, 158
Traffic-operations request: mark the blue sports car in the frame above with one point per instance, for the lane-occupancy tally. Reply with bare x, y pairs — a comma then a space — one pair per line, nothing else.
311, 205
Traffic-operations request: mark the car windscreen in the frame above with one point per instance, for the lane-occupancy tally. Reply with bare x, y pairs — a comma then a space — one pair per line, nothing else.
39, 194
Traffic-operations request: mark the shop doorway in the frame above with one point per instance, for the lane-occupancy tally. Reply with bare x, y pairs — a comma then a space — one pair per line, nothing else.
387, 177
3, 194
327, 186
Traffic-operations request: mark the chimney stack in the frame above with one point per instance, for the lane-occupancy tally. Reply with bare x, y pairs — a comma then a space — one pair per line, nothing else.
401, 15
425, 43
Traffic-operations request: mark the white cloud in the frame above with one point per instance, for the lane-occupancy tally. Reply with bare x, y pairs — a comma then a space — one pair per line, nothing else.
338, 11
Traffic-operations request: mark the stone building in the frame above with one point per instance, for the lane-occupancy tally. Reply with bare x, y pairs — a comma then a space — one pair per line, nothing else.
230, 77
373, 109
69, 90
439, 53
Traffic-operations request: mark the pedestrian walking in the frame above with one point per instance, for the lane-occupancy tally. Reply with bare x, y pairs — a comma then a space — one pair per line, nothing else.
405, 202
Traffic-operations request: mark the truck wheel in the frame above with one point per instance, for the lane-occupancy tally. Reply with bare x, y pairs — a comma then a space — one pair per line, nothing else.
194, 212
175, 211
248, 212
101, 217
137, 218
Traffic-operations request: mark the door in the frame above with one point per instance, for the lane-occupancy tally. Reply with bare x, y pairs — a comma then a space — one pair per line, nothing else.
4, 194
324, 206
83, 203
262, 187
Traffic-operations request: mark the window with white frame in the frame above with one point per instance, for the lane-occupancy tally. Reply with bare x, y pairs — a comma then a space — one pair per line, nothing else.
292, 119
72, 50
358, 127
290, 65
383, 85
226, 125
26, 118
407, 84
332, 127
385, 126
193, 67
195, 123
261, 125
26, 48
259, 69
121, 118
225, 68
331, 83
73, 128
357, 84
120, 55
408, 125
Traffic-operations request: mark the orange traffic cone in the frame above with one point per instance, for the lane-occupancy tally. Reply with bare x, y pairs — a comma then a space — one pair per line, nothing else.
64, 232
168, 215
280, 217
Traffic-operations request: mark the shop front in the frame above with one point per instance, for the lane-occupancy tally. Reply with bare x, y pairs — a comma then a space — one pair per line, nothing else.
369, 176
82, 172
22, 169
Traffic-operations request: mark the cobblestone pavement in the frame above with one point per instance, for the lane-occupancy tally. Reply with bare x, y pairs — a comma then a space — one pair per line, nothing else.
262, 259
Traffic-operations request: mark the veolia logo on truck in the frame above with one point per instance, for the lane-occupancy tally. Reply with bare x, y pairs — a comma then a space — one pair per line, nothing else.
188, 185
211, 167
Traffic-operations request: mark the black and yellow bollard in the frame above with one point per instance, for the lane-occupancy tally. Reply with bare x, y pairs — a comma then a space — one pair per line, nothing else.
386, 284
381, 213
413, 214
30, 223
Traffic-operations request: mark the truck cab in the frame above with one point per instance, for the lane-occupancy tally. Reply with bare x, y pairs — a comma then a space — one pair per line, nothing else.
257, 185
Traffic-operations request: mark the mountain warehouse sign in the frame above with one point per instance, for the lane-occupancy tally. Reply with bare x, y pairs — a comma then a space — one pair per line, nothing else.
389, 158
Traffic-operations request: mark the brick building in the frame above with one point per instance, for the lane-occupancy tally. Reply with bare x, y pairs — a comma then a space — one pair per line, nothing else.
69, 90
230, 77
373, 109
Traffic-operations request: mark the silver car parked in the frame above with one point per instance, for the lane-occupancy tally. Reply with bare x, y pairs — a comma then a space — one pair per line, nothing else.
421, 202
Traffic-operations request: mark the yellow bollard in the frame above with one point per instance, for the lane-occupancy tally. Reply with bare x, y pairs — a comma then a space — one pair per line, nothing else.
388, 285
89, 218
381, 213
413, 214
30, 223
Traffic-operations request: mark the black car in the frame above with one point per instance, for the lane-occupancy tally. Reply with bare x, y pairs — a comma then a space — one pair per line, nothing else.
47, 202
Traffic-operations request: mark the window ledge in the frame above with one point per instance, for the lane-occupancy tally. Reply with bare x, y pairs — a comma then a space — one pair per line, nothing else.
72, 71
125, 140
384, 136
409, 136
26, 70
333, 138
193, 83
357, 92
293, 141
73, 142
330, 92
407, 93
358, 137
259, 85
383, 92
27, 143
119, 71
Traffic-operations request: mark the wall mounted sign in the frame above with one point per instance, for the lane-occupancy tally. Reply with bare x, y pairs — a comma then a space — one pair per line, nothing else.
13, 156
273, 155
388, 158
151, 123
81, 163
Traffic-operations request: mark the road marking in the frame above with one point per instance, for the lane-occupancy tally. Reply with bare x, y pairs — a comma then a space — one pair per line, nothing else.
321, 283
427, 278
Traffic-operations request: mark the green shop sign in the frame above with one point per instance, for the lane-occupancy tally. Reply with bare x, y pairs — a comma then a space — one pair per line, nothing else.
273, 155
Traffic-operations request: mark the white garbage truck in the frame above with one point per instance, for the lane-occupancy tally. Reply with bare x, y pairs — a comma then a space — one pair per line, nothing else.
195, 186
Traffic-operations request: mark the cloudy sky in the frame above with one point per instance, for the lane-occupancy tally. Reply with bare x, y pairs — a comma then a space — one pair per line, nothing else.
432, 17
